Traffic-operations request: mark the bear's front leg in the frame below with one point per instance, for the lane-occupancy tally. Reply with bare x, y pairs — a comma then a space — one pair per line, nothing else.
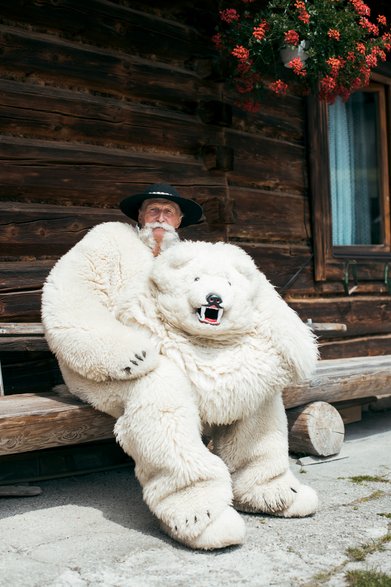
186, 486
256, 451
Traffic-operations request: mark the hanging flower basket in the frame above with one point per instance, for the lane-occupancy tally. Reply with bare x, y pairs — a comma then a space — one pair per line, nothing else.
327, 47
289, 52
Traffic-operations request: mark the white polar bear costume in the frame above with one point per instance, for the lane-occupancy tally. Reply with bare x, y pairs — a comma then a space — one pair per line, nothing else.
195, 341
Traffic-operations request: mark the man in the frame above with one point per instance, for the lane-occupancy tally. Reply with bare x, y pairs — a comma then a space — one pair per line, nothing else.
96, 300
101, 321
160, 211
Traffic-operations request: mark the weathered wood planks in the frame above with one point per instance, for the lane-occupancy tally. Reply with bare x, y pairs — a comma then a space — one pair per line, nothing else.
32, 422
343, 379
36, 421
99, 99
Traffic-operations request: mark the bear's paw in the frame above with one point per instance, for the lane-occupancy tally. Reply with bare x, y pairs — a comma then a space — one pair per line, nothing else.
228, 529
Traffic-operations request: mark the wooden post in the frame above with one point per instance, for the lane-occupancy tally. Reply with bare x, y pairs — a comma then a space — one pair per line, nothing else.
315, 429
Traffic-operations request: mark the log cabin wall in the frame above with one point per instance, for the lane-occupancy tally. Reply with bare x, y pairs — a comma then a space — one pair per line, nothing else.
99, 99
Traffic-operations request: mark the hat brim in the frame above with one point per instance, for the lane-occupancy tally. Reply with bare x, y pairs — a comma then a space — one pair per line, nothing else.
192, 212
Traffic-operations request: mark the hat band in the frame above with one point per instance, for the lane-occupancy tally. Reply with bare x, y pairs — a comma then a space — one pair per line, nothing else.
160, 193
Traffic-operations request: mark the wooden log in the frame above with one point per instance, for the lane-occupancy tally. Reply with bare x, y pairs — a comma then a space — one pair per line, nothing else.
31, 422
46, 229
23, 275
69, 64
361, 314
21, 328
258, 162
268, 225
108, 24
23, 336
315, 429
19, 491
23, 343
322, 327
355, 347
65, 174
343, 379
103, 121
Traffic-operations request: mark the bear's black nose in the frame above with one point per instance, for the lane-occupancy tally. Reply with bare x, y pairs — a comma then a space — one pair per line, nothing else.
214, 299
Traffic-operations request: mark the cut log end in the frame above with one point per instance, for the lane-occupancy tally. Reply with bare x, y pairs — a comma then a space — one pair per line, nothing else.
315, 429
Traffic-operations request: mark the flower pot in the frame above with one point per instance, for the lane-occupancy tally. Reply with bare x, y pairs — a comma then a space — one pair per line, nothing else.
289, 52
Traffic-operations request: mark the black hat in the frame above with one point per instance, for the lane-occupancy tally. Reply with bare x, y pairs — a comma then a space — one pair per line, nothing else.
192, 212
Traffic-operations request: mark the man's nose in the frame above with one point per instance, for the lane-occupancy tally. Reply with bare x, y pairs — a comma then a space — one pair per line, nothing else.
161, 216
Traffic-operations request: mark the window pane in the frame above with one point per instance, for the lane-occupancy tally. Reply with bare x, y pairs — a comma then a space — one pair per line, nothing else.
355, 170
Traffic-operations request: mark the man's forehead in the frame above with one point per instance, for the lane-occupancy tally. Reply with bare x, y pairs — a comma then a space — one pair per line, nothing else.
162, 201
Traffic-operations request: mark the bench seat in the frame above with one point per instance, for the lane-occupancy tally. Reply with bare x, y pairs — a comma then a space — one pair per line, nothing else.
36, 421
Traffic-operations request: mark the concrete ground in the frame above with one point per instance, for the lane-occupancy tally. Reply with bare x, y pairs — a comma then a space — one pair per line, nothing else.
94, 530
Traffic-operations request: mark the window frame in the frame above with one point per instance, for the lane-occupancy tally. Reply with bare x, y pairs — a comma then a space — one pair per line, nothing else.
329, 257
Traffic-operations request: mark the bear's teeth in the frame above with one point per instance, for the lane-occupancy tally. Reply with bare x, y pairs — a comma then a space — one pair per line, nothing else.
203, 317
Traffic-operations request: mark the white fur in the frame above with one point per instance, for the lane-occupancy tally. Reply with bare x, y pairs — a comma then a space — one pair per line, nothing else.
239, 367
125, 330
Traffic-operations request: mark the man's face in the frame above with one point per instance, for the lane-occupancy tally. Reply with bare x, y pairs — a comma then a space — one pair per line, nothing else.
160, 210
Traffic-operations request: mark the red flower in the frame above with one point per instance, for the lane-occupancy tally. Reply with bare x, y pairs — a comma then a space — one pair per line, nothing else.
360, 48
382, 20
378, 52
240, 53
297, 66
259, 31
291, 37
334, 34
335, 64
361, 8
229, 15
279, 87
386, 38
344, 93
301, 9
365, 72
327, 84
369, 26
371, 60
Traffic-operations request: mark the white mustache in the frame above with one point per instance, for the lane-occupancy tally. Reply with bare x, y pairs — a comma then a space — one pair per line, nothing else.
164, 225
170, 236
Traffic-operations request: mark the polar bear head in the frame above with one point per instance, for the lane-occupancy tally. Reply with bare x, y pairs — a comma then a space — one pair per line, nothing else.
205, 289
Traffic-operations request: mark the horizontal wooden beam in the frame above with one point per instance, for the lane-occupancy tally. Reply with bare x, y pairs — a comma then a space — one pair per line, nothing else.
338, 380
33, 422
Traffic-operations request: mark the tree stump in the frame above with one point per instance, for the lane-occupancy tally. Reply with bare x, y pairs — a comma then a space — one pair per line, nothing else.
315, 429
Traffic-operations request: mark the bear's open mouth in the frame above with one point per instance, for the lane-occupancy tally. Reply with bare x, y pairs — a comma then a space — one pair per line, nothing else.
210, 315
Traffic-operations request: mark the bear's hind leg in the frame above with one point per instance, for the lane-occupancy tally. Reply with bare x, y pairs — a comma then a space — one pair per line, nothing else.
255, 450
186, 486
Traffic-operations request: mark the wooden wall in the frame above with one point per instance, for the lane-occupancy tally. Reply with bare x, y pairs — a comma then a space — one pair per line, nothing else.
99, 99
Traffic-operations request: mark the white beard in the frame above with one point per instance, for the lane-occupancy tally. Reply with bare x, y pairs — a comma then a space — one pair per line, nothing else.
170, 236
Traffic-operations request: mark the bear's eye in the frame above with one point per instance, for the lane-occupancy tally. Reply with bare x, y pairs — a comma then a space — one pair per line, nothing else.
229, 283
196, 279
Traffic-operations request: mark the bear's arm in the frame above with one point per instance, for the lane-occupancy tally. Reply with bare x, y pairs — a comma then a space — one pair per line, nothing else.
79, 322
293, 339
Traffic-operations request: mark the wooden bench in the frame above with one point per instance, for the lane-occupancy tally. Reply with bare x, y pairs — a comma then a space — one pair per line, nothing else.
30, 422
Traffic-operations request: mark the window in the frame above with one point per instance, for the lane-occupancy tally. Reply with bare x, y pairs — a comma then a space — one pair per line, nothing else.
349, 163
